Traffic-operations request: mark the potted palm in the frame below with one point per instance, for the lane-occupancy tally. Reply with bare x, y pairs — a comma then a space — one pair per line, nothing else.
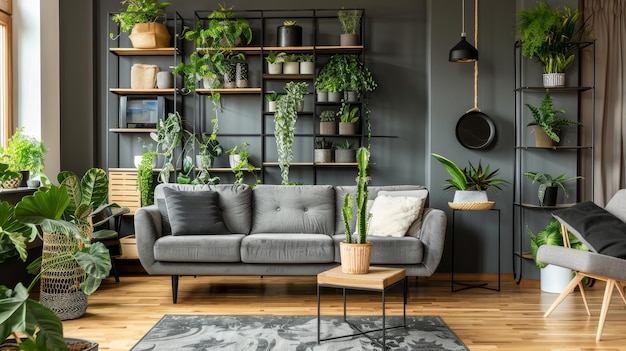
285, 123
355, 251
470, 184
145, 19
549, 186
350, 21
551, 36
546, 125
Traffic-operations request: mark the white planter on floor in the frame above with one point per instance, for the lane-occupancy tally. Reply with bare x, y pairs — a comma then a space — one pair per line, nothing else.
554, 278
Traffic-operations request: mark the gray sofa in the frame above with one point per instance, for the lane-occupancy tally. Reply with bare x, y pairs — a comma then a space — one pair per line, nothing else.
271, 230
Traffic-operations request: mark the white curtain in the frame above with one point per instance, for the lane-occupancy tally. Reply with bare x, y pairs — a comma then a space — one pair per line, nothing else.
607, 19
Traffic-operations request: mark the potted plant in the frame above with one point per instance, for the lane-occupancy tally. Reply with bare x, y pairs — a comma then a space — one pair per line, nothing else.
471, 183
199, 69
553, 279
272, 100
355, 251
545, 122
344, 152
24, 154
550, 35
9, 179
239, 159
322, 150
328, 125
548, 186
307, 64
350, 22
168, 137
285, 123
289, 34
291, 64
347, 119
145, 178
145, 19
275, 62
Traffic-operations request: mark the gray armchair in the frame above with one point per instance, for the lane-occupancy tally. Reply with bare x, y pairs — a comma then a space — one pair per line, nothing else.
603, 230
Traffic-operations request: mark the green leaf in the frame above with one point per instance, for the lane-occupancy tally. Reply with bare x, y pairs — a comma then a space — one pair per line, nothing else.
458, 180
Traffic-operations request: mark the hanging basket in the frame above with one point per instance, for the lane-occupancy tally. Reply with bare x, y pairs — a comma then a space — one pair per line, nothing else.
60, 279
151, 35
355, 258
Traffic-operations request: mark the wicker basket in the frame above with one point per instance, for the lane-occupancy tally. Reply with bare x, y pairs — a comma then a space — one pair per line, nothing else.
150, 35
355, 258
476, 206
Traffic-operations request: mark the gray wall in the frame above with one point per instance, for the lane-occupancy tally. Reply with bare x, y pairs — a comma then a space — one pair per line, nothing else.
419, 99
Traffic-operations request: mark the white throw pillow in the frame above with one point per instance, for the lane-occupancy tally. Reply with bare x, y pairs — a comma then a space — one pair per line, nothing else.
392, 215
415, 229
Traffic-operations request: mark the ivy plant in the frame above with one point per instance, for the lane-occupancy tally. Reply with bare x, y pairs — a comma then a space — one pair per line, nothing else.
285, 123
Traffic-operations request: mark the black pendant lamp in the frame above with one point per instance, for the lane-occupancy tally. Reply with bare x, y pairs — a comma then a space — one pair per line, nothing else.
463, 51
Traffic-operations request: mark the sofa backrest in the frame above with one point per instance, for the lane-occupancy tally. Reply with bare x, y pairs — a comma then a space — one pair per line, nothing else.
372, 191
235, 203
293, 209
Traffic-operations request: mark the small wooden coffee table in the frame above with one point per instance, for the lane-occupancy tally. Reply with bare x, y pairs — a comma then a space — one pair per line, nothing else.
378, 279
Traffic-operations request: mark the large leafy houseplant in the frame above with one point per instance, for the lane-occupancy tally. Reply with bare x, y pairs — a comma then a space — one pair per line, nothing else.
550, 35
546, 181
139, 11
285, 122
545, 116
470, 178
551, 235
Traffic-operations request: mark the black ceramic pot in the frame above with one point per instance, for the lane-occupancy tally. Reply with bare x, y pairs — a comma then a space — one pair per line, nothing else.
289, 35
549, 198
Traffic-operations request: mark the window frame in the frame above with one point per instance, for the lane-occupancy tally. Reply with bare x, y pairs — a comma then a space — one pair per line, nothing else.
7, 84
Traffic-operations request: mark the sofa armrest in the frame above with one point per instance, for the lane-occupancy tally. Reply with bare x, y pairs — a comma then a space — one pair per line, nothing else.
148, 229
433, 237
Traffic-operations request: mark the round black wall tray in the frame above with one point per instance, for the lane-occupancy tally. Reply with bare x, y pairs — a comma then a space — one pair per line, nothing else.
475, 130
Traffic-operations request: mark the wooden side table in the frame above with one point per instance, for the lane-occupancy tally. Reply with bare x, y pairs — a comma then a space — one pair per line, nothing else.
378, 279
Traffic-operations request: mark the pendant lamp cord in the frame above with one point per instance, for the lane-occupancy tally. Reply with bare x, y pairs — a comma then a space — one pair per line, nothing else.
475, 108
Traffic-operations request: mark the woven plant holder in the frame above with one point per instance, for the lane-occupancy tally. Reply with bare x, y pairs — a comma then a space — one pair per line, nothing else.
143, 76
61, 278
476, 206
151, 35
355, 258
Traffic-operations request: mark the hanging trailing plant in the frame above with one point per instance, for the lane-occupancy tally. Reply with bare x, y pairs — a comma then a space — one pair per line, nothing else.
168, 137
285, 120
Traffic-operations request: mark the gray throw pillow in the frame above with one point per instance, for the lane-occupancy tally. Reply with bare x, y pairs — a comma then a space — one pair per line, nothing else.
194, 212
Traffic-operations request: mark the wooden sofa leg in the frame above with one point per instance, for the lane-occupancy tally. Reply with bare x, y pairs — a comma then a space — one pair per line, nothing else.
174, 289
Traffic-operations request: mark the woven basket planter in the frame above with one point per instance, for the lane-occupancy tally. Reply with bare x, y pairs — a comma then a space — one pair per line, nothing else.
60, 279
150, 35
355, 258
143, 76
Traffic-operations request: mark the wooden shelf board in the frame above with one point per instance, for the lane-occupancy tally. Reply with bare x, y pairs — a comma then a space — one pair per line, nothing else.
132, 130
257, 50
291, 163
571, 147
528, 205
524, 255
128, 91
144, 52
288, 76
229, 91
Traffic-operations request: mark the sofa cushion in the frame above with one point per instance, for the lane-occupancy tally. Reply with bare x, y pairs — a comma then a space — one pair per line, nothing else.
281, 248
293, 209
389, 250
198, 248
416, 227
193, 212
597, 228
342, 190
392, 215
235, 203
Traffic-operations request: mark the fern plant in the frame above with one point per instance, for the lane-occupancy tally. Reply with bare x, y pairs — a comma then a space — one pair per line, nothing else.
545, 116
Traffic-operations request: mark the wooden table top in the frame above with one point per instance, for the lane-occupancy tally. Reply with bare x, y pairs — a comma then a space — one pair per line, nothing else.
377, 278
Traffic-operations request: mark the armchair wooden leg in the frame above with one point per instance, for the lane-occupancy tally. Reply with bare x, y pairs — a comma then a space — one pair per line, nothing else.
570, 287
620, 289
583, 295
608, 292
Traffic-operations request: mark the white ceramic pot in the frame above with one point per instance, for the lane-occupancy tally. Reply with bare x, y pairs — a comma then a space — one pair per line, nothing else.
291, 68
307, 67
470, 196
275, 68
554, 279
551, 80
233, 160
271, 106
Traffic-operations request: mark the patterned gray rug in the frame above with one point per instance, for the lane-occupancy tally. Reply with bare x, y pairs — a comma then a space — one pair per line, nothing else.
299, 333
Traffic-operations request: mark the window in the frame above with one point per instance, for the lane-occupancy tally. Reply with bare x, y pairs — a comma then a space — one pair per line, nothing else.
5, 73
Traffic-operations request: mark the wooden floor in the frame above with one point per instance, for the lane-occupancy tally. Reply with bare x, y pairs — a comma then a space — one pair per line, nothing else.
512, 319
